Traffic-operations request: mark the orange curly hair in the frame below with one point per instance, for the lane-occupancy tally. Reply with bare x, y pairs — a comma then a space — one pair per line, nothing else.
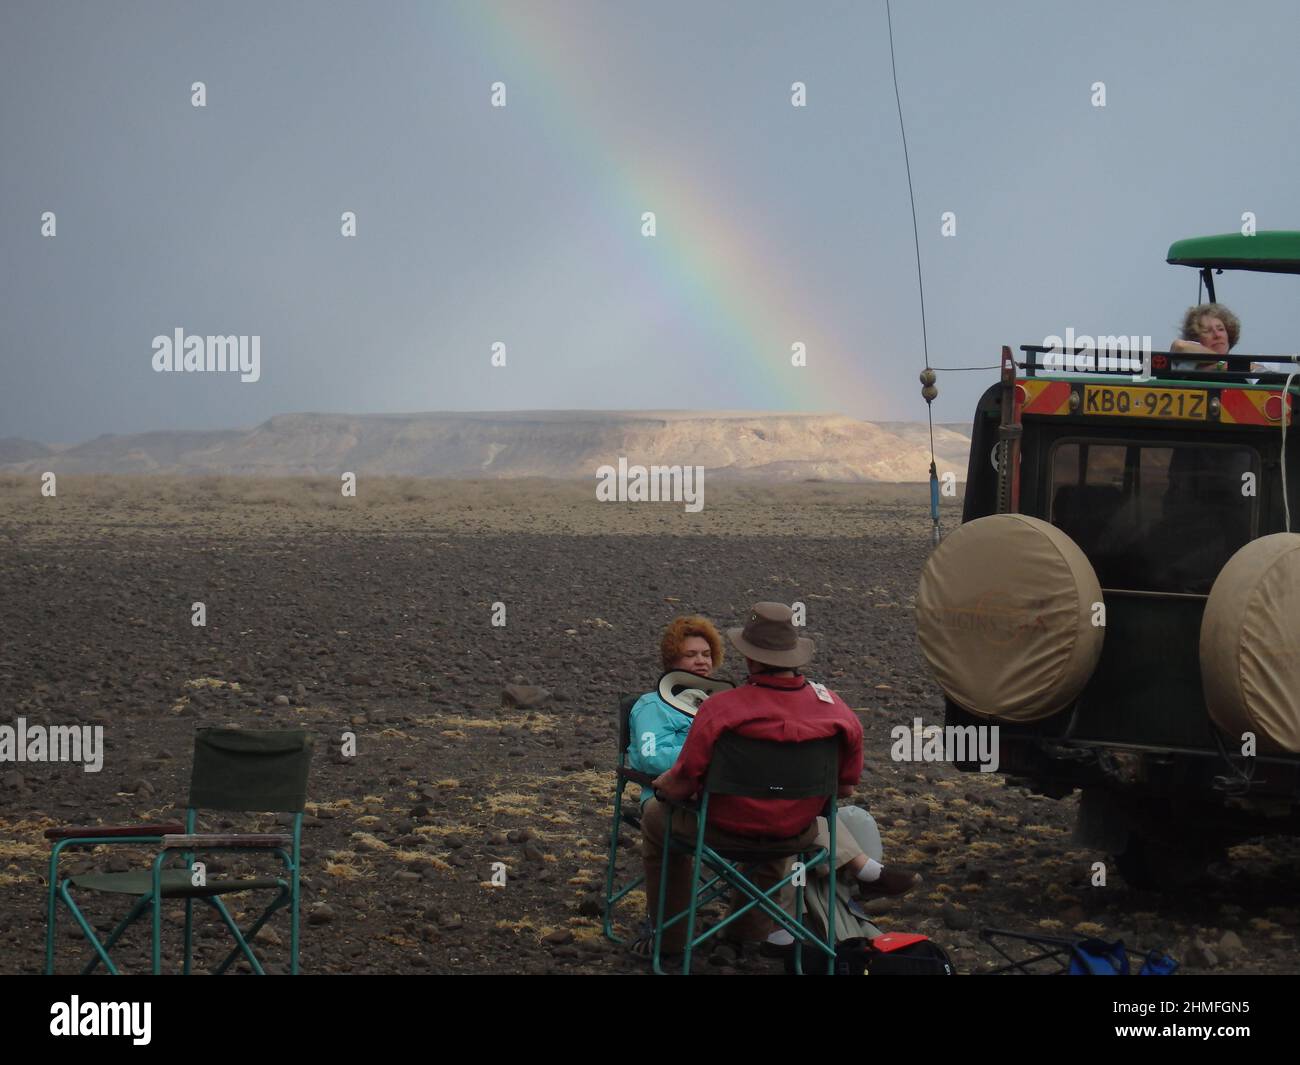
679, 630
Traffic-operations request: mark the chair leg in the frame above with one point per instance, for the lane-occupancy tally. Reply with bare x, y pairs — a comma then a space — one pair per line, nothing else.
832, 872
220, 907
279, 901
695, 880
293, 926
610, 868
86, 930
665, 860
765, 900
51, 915
189, 937
126, 922
156, 895
613, 896
798, 916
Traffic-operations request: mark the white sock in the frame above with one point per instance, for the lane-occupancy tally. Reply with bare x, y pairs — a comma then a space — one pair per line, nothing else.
780, 938
871, 871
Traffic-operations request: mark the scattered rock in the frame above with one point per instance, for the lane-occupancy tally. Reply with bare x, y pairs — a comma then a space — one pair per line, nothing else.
320, 913
523, 696
1230, 946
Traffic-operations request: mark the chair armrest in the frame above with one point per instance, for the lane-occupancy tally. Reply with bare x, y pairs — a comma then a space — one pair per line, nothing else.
685, 804
110, 831
637, 777
237, 840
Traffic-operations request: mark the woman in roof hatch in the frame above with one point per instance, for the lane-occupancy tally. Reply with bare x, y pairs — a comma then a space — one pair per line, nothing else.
1208, 329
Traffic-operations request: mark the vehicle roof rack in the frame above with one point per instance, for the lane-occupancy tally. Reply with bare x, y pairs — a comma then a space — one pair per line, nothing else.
1039, 359
1274, 251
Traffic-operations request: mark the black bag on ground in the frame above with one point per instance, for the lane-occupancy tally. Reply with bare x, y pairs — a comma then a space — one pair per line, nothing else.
906, 954
890, 954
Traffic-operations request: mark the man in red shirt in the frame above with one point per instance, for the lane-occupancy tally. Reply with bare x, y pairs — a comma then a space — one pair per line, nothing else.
775, 703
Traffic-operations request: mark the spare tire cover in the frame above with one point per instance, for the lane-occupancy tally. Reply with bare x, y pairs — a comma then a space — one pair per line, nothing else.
1005, 617
1250, 643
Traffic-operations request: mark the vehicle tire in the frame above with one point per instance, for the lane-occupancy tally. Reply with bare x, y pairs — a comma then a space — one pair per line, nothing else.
1162, 864
1005, 616
1250, 662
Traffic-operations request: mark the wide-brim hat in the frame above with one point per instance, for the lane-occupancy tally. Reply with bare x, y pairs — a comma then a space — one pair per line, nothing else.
769, 637
686, 691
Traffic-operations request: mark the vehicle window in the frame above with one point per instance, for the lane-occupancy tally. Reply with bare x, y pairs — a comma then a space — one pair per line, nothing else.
1161, 519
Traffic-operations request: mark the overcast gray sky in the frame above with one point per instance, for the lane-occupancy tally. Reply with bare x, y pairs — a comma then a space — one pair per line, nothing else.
522, 224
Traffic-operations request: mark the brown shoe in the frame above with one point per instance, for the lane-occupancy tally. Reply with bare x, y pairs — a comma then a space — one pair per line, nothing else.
893, 880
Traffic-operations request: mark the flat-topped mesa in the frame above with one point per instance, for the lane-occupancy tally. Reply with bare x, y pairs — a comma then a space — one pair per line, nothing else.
783, 446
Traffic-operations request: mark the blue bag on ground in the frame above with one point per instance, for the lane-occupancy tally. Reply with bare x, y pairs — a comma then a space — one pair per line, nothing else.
1096, 957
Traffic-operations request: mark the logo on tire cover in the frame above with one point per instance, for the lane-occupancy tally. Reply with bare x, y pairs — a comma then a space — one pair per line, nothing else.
995, 616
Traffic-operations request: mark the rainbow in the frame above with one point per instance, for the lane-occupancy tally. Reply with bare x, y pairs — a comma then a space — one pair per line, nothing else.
707, 260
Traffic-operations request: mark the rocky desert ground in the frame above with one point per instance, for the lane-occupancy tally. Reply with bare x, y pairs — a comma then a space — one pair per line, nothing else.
374, 615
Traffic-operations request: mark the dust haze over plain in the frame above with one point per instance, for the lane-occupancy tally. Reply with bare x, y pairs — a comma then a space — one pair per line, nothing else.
522, 225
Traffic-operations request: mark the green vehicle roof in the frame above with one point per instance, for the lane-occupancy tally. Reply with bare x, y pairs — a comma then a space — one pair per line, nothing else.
1274, 251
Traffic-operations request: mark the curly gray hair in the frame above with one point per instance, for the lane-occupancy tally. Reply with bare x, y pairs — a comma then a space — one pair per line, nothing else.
1213, 310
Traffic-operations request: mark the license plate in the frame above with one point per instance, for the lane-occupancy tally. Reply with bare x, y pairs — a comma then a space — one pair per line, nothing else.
1183, 403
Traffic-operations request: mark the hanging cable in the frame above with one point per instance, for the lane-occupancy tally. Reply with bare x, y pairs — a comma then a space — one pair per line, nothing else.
928, 389
1286, 417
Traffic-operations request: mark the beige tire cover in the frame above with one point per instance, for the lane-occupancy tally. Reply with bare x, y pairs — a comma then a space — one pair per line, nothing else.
1005, 616
1250, 643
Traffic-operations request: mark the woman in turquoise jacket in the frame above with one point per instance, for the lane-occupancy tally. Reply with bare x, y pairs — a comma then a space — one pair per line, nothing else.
658, 730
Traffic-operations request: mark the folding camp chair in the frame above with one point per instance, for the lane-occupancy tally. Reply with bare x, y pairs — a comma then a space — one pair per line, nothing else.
757, 769
234, 770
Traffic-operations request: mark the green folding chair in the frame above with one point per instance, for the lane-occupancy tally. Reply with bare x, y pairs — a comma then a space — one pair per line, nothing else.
756, 769
234, 770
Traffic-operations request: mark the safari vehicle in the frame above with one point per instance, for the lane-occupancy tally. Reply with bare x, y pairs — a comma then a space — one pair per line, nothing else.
1115, 599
